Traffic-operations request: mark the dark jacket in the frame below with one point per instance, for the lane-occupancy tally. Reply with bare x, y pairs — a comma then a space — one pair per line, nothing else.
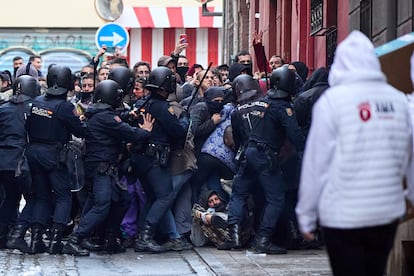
167, 128
277, 124
201, 125
12, 130
106, 134
303, 103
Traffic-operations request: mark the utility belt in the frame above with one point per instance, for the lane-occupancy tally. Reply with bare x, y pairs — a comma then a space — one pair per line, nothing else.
271, 155
158, 151
111, 170
58, 145
62, 149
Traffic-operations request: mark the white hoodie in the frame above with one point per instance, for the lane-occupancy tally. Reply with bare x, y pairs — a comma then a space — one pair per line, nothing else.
359, 145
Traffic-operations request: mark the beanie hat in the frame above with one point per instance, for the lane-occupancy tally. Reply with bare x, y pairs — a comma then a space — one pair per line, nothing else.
214, 92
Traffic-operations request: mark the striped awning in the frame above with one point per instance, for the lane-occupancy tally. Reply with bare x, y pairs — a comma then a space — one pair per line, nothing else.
150, 43
169, 17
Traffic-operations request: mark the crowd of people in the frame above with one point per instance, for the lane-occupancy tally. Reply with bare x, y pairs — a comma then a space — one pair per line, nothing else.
174, 156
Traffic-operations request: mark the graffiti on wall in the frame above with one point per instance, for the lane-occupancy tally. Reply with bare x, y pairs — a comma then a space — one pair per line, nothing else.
71, 47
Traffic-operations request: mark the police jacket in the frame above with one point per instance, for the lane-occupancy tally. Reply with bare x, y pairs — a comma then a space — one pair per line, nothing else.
52, 121
167, 129
277, 123
12, 130
106, 132
242, 120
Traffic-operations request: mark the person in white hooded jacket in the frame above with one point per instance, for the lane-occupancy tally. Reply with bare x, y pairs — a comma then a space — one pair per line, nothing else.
358, 151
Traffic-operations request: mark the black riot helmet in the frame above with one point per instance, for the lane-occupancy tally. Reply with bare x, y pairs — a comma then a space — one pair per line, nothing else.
26, 85
59, 80
282, 83
124, 77
161, 78
245, 88
108, 92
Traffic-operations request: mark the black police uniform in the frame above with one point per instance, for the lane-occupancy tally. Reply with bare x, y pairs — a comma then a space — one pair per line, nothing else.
13, 141
271, 120
103, 146
151, 165
150, 160
51, 122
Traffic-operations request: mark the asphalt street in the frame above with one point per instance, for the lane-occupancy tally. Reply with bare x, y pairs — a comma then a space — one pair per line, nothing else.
198, 261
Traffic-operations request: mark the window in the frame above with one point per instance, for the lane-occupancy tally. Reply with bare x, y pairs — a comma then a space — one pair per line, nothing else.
316, 16
365, 17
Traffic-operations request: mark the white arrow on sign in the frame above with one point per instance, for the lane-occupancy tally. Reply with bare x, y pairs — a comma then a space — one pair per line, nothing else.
115, 38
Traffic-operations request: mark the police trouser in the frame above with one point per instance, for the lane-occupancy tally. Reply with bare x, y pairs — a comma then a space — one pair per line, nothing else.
10, 207
106, 202
157, 183
257, 168
50, 180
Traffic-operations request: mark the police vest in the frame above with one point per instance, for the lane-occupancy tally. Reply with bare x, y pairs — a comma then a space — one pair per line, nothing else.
250, 113
43, 124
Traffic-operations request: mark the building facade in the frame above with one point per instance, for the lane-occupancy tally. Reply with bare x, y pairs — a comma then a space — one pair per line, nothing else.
63, 32
309, 30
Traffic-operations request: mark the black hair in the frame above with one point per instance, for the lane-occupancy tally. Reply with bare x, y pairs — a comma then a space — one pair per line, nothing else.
120, 61
17, 58
141, 63
241, 53
33, 57
223, 67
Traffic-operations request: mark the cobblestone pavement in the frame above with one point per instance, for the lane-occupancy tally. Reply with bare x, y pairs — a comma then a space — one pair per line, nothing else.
199, 261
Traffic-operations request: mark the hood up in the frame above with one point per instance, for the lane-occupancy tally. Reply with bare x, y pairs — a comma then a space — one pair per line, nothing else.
355, 60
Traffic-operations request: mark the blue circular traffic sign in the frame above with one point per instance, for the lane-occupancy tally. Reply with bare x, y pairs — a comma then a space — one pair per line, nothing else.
112, 35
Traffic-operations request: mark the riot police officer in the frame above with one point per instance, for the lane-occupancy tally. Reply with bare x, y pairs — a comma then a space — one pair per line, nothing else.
51, 122
150, 160
13, 142
126, 80
246, 91
271, 120
103, 146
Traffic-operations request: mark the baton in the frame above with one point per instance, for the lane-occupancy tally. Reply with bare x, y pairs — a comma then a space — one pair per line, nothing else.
198, 87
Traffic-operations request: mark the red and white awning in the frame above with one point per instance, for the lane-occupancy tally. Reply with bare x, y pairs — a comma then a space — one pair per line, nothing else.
154, 31
148, 44
169, 17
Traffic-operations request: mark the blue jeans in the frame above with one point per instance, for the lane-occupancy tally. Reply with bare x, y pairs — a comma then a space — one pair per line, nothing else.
169, 224
182, 205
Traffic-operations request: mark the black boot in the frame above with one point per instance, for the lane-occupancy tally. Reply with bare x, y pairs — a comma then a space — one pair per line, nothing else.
15, 239
113, 244
233, 242
93, 244
295, 238
73, 246
36, 242
145, 241
56, 245
264, 245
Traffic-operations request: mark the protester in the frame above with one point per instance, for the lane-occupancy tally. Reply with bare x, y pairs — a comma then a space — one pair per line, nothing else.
356, 155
